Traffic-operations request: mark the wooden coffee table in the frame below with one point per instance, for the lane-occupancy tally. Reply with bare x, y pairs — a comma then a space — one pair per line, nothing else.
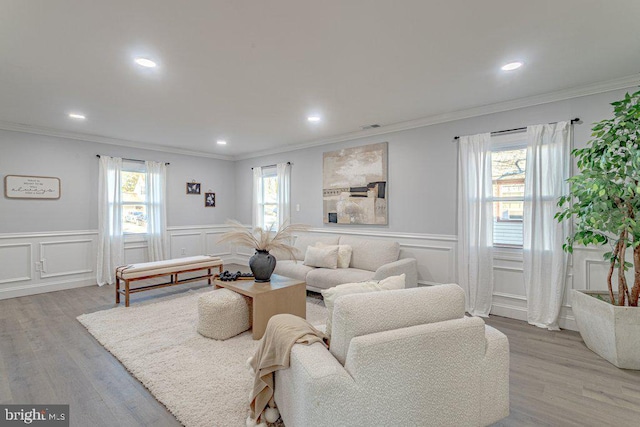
281, 295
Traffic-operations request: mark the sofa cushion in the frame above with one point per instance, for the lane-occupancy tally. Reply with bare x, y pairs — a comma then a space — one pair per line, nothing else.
326, 257
324, 278
369, 254
304, 240
294, 269
330, 295
344, 254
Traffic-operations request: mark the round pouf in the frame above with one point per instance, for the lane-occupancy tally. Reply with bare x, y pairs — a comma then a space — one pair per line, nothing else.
223, 314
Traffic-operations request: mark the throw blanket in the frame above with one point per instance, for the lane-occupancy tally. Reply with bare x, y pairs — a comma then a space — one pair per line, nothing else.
283, 331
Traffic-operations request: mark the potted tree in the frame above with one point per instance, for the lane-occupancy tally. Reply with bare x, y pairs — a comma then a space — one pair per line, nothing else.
604, 202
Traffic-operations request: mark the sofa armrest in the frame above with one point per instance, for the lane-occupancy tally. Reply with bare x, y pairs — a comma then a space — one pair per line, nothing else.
316, 389
408, 266
495, 377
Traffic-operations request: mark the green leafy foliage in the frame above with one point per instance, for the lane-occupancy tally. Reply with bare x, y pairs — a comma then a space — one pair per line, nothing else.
604, 199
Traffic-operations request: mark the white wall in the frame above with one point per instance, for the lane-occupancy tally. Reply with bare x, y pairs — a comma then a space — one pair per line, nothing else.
51, 244
422, 196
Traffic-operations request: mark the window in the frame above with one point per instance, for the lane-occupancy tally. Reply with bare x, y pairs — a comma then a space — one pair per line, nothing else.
271, 196
508, 165
134, 197
269, 206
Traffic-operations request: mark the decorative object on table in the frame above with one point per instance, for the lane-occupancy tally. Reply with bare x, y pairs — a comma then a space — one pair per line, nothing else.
31, 187
226, 276
354, 185
209, 200
262, 263
193, 187
604, 202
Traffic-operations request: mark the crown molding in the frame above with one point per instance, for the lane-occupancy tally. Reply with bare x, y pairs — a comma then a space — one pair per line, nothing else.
39, 130
561, 95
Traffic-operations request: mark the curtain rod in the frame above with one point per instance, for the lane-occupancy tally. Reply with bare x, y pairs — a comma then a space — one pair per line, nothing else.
271, 166
500, 132
134, 160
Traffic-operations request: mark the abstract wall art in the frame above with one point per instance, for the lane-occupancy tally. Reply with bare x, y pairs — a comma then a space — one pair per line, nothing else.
355, 187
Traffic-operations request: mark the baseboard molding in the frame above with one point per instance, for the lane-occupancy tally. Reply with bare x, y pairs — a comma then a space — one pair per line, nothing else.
41, 288
520, 313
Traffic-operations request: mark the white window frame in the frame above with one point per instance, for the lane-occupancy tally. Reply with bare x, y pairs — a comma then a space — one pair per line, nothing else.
507, 142
139, 167
268, 172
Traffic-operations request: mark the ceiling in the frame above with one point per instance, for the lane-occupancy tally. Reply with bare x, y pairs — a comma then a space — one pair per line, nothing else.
250, 72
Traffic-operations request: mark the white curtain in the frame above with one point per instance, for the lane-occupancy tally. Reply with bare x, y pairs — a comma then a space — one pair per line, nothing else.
284, 192
110, 239
156, 210
545, 263
258, 217
475, 223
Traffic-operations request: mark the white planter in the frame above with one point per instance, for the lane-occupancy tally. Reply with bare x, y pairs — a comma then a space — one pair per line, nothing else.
611, 331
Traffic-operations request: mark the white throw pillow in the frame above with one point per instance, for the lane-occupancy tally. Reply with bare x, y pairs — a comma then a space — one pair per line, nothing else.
393, 282
330, 295
344, 253
321, 257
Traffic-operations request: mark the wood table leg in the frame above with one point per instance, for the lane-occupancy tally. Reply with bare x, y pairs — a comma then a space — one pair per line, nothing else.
209, 278
117, 290
126, 293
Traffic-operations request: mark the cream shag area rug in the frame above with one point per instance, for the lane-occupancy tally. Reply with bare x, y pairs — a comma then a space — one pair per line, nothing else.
201, 381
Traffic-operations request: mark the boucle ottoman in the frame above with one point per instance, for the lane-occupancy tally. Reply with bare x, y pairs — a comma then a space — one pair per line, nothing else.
223, 314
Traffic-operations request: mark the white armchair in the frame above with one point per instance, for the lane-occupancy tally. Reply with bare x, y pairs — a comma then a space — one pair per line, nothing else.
406, 357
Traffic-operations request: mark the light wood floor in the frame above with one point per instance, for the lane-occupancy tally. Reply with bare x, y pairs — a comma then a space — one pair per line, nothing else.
47, 356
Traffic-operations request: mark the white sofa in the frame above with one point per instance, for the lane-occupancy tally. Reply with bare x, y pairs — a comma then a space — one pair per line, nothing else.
405, 357
372, 259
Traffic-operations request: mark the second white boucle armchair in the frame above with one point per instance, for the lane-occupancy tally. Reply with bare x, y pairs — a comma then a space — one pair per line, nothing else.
399, 358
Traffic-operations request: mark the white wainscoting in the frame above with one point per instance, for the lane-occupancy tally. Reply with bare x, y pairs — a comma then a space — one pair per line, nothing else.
587, 270
33, 263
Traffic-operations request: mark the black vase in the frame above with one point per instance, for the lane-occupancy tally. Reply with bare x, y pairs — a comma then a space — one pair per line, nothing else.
262, 264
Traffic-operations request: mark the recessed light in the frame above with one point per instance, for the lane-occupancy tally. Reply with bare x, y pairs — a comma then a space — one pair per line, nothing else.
221, 142
144, 62
313, 119
511, 66
77, 116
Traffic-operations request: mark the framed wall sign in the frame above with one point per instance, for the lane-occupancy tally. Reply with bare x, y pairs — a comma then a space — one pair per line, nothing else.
31, 187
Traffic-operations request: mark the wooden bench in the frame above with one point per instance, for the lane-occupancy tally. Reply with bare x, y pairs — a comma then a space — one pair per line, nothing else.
171, 267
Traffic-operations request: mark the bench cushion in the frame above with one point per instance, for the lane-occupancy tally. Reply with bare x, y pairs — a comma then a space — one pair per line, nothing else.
133, 271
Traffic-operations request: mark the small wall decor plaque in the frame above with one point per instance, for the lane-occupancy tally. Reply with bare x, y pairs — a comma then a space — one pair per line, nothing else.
209, 200
193, 187
31, 187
